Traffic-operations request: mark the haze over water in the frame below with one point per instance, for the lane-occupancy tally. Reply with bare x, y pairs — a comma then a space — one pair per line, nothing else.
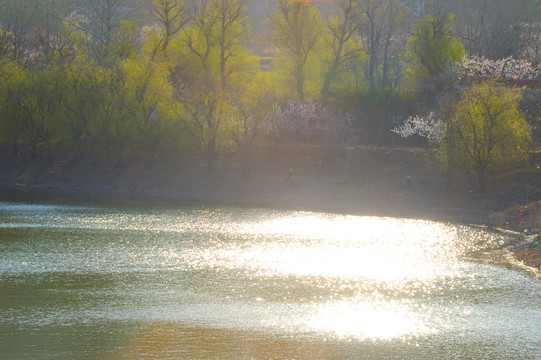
93, 282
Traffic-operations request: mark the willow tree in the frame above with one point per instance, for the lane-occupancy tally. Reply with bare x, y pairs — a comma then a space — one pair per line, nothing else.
211, 61
11, 94
341, 28
432, 46
42, 107
231, 34
296, 31
482, 130
489, 130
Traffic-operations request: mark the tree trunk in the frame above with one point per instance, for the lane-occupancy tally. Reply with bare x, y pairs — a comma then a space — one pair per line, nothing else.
371, 72
328, 77
210, 151
222, 71
50, 157
449, 152
15, 147
481, 181
326, 85
34, 152
333, 70
300, 84
386, 47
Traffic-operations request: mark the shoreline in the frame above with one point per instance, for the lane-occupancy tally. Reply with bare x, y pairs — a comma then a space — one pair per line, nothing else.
307, 181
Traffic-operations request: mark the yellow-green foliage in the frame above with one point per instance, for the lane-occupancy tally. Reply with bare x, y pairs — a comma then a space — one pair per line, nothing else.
296, 31
432, 46
4, 42
11, 74
188, 82
488, 129
11, 92
123, 47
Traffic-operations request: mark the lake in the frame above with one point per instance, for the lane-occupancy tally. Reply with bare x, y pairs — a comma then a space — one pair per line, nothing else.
112, 283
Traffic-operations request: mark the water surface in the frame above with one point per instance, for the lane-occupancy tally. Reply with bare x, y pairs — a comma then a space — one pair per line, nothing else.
94, 282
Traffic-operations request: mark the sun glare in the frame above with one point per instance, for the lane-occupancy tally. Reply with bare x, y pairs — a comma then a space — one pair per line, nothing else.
340, 246
368, 320
349, 276
359, 259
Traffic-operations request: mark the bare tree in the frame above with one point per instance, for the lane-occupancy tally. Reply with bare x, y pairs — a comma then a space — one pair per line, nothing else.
56, 38
18, 19
379, 24
173, 16
102, 19
498, 29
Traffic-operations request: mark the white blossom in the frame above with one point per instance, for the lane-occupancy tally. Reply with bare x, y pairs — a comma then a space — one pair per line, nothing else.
427, 127
507, 68
305, 121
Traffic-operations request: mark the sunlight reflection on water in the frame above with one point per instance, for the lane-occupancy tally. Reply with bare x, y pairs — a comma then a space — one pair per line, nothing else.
381, 249
268, 272
369, 320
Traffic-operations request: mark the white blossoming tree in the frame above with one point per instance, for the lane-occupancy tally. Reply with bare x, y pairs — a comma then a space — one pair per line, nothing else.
428, 127
310, 122
508, 68
485, 130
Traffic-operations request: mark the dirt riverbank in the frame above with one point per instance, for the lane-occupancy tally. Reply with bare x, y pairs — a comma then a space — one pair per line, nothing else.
363, 180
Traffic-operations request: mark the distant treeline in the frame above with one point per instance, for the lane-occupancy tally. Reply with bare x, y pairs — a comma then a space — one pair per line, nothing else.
114, 78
